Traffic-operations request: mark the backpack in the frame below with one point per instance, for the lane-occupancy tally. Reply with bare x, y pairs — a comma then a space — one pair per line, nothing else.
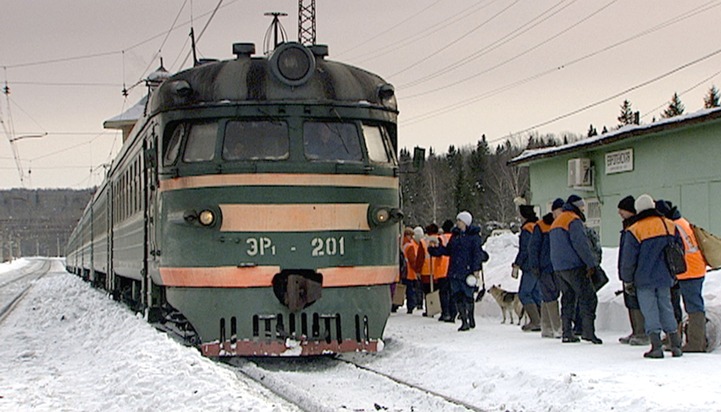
710, 246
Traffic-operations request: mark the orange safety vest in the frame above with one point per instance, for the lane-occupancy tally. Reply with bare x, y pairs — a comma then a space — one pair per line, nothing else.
695, 263
440, 263
409, 251
427, 263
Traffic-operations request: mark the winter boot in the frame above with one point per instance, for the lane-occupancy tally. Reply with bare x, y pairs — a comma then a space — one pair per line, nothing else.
546, 327
675, 339
534, 324
639, 337
568, 335
656, 351
589, 331
555, 318
696, 333
463, 314
470, 308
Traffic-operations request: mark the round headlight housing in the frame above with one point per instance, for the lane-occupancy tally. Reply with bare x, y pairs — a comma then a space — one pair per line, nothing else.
292, 63
206, 217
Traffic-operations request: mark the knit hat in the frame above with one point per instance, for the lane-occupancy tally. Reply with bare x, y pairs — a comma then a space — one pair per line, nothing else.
519, 200
576, 200
644, 202
668, 209
447, 226
627, 204
465, 217
418, 233
557, 204
527, 211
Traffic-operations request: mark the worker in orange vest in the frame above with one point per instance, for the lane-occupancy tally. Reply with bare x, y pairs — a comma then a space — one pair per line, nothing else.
691, 281
410, 250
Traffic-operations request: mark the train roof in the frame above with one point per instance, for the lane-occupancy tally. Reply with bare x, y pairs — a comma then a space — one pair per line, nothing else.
292, 73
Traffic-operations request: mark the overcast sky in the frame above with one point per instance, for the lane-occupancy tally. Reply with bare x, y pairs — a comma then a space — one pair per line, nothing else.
462, 68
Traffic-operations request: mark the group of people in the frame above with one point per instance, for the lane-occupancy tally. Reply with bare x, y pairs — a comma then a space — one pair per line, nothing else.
559, 257
454, 271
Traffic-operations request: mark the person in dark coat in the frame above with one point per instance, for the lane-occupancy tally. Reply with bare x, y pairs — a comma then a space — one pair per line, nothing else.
542, 266
466, 256
638, 337
575, 264
528, 291
644, 271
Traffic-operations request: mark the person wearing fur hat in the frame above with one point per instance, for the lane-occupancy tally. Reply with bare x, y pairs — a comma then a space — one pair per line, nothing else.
466, 257
528, 291
690, 283
644, 271
637, 337
575, 264
540, 261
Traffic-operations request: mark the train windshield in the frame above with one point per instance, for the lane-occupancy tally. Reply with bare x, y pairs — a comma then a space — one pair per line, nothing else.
201, 142
332, 141
256, 140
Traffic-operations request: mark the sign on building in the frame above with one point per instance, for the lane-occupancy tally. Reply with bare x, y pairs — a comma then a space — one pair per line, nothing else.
620, 161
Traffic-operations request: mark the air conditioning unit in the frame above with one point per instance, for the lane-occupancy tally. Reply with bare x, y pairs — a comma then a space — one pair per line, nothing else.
580, 173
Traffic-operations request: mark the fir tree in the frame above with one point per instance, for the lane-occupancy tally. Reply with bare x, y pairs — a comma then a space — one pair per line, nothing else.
712, 98
675, 107
592, 131
626, 117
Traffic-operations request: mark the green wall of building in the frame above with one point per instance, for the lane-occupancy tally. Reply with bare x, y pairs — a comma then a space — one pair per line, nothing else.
682, 165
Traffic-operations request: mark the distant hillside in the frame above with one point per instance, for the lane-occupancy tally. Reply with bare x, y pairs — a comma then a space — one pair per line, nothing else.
39, 222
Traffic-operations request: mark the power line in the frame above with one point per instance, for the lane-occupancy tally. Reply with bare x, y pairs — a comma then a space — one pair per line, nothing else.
456, 40
504, 40
389, 29
665, 24
426, 32
614, 96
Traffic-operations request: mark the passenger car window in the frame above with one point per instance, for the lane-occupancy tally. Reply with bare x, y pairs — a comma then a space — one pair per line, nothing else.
375, 138
172, 145
331, 141
201, 142
255, 140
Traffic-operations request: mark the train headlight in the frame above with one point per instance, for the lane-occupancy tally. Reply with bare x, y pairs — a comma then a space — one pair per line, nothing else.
382, 215
206, 217
292, 63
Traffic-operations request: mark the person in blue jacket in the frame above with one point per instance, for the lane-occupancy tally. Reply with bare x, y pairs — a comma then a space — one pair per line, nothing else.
575, 264
528, 291
644, 272
541, 265
466, 257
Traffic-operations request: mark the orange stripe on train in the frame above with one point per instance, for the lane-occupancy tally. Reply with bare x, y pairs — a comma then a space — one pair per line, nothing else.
262, 276
294, 217
278, 179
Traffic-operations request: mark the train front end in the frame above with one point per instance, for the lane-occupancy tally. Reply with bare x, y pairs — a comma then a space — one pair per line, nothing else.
274, 229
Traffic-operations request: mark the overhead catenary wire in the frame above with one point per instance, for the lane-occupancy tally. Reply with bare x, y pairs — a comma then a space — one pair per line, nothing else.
456, 40
614, 96
451, 107
495, 45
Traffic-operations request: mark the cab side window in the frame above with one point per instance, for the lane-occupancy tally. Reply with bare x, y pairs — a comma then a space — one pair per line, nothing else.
172, 145
201, 142
377, 143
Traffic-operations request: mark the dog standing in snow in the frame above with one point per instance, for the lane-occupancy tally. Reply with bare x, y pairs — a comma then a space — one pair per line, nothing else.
509, 303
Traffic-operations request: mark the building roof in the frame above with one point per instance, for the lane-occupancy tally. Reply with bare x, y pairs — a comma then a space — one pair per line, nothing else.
626, 132
128, 117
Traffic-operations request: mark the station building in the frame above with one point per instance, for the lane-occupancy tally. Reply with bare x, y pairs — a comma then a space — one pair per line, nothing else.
676, 159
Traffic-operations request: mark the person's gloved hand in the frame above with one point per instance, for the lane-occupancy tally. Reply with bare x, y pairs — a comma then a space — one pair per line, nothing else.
629, 288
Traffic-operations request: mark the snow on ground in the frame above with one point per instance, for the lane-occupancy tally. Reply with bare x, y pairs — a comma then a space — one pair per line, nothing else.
69, 347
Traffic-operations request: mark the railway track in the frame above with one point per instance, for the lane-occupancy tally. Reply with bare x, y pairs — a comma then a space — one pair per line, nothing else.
15, 285
327, 384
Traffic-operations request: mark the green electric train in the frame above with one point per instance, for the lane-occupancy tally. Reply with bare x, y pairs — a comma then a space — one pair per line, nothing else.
254, 208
